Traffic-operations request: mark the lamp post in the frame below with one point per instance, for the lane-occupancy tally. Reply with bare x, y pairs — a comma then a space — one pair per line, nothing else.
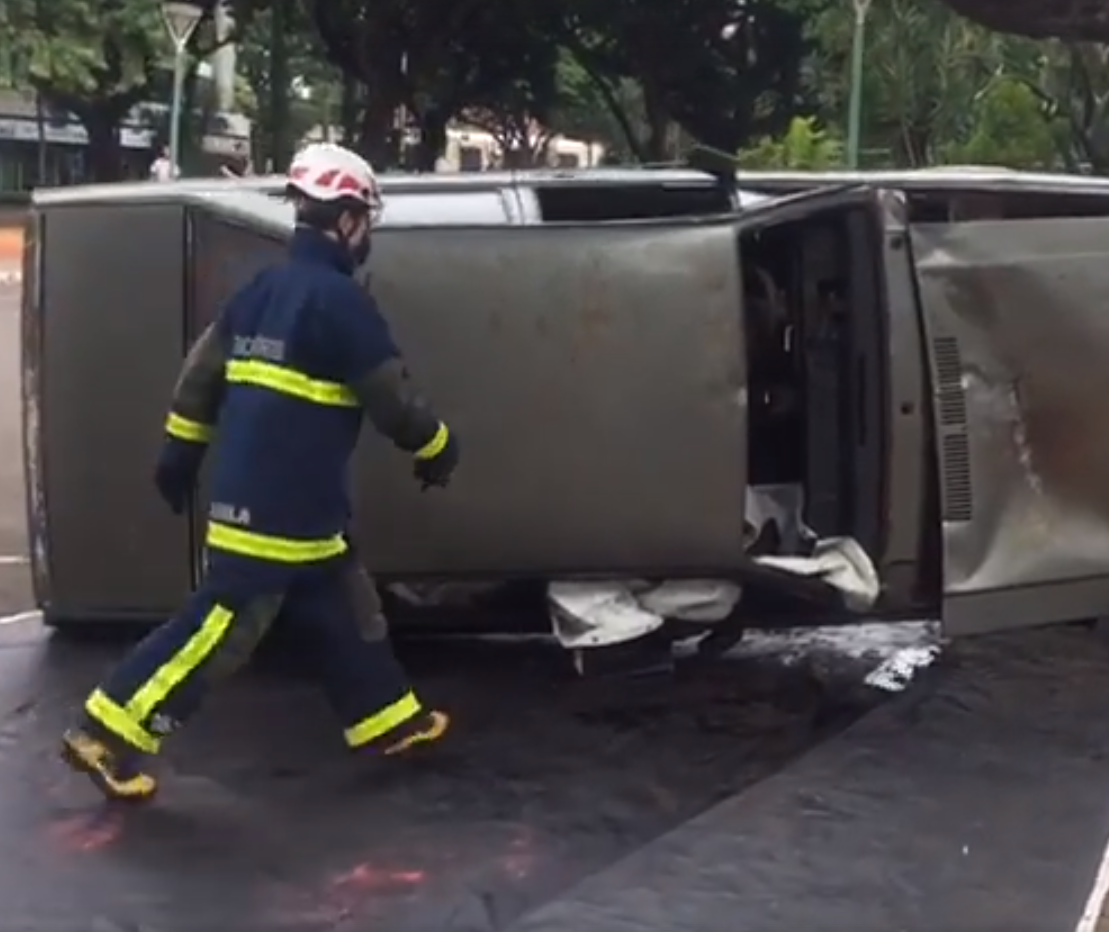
181, 18
855, 110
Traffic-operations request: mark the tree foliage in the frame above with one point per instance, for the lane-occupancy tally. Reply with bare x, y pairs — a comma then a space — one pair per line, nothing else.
93, 58
766, 78
1007, 129
805, 146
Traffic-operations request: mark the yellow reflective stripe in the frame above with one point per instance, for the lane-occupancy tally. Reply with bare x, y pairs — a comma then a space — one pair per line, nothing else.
435, 445
289, 382
275, 549
184, 429
101, 708
173, 672
380, 723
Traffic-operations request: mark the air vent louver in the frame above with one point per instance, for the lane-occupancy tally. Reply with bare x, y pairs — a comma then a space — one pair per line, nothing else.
951, 414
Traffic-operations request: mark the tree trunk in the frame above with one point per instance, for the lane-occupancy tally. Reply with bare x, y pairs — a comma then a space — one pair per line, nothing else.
433, 139
658, 125
281, 149
40, 126
348, 110
375, 132
194, 121
105, 157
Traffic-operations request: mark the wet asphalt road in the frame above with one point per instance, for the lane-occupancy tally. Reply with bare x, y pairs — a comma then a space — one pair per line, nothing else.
265, 822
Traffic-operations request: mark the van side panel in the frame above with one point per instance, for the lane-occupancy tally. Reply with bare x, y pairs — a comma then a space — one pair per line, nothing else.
1019, 349
595, 375
112, 338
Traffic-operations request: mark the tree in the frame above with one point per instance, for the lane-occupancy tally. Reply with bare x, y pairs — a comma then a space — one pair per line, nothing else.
1071, 82
91, 58
726, 72
1041, 19
805, 146
1009, 129
515, 88
98, 59
925, 66
292, 85
604, 109
429, 60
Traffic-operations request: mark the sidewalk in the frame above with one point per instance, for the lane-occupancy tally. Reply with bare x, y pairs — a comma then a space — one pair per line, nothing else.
11, 247
11, 256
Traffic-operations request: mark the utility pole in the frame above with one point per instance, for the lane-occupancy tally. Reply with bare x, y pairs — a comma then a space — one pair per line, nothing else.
855, 112
181, 19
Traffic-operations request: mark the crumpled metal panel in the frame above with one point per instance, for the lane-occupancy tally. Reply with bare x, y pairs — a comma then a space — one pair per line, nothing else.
1018, 328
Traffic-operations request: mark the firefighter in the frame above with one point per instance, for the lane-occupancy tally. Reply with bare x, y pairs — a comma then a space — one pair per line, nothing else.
286, 373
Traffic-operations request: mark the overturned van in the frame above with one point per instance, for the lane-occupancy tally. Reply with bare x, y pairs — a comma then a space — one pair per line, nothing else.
850, 399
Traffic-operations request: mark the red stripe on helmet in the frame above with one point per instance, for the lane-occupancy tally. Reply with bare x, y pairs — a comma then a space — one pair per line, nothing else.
350, 183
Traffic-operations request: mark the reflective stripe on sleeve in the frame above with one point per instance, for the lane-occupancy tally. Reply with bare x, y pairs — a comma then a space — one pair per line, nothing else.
435, 445
184, 429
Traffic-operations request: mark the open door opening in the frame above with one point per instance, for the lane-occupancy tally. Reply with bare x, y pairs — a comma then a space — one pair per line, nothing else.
815, 339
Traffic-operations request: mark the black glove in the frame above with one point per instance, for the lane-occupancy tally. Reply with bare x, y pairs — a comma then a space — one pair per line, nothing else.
177, 471
437, 470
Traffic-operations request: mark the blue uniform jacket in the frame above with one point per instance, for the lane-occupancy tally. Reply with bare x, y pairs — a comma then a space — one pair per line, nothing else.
275, 382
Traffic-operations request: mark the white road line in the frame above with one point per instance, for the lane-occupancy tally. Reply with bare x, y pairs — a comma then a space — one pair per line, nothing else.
20, 617
1091, 915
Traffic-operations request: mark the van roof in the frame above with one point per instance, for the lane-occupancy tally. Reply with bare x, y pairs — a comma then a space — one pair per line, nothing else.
976, 178
397, 183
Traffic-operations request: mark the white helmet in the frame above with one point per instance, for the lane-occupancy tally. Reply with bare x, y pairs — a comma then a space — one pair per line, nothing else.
324, 171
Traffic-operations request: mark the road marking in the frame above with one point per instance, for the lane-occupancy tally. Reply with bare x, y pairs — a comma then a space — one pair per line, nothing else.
19, 617
1091, 915
13, 560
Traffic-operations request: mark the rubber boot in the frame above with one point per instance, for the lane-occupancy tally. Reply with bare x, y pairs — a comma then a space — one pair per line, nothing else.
419, 731
114, 768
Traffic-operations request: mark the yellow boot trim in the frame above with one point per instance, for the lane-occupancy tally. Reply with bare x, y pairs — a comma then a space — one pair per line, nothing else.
438, 724
93, 758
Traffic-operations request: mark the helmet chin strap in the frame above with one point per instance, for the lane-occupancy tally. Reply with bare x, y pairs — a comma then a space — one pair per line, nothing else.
358, 254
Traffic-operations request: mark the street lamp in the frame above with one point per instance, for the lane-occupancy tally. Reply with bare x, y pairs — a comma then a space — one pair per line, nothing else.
855, 110
181, 18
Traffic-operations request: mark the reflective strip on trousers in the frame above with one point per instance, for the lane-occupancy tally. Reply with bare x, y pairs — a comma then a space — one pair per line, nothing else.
105, 710
184, 429
288, 381
272, 548
381, 723
127, 721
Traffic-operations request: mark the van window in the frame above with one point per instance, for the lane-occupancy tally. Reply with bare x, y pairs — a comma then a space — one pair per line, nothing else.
440, 208
597, 202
